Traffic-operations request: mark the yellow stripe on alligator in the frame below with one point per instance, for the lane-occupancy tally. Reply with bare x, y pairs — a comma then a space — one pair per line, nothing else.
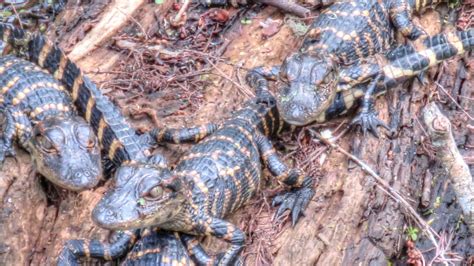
100, 131
90, 105
393, 72
58, 74
454, 40
44, 53
430, 54
113, 148
75, 87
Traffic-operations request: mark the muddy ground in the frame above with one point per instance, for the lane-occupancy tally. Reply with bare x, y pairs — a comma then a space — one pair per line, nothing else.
349, 221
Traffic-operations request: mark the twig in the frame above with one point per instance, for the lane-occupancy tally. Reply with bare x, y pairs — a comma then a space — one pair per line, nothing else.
453, 100
245, 91
386, 188
290, 7
177, 19
17, 16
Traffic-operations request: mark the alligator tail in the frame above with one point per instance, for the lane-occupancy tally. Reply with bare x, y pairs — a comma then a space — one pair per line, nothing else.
75, 249
119, 140
409, 61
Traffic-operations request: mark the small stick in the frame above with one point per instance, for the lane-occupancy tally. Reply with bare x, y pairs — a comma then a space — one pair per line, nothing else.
17, 16
177, 19
287, 6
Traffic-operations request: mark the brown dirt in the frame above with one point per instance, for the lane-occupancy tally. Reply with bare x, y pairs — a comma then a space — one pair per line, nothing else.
349, 221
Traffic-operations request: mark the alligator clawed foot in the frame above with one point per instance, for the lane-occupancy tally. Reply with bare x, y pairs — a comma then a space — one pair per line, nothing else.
368, 121
295, 200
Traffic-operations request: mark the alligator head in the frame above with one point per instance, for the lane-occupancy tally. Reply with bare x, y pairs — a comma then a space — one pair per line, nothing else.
307, 87
66, 152
144, 194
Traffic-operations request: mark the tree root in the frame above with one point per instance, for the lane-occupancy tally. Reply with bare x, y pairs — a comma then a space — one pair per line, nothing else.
439, 129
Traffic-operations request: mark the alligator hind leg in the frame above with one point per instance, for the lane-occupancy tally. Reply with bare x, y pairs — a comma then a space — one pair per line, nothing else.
297, 198
75, 249
400, 15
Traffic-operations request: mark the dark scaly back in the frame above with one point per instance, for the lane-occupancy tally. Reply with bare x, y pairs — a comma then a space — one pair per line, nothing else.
119, 142
26, 87
235, 143
350, 30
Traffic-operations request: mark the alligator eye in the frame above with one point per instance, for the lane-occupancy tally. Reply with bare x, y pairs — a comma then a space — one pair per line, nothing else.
155, 193
85, 137
46, 144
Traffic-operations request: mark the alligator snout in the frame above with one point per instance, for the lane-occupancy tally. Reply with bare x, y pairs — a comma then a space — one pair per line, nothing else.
84, 179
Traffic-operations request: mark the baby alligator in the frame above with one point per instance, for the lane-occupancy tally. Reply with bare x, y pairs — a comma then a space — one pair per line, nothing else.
375, 75
118, 141
216, 177
37, 110
342, 34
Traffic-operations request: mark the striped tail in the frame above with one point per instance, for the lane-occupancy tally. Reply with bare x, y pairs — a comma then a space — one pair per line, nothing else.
408, 61
119, 141
73, 250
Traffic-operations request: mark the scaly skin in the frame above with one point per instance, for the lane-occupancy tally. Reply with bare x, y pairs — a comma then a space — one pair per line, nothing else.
38, 112
217, 176
119, 142
381, 73
342, 34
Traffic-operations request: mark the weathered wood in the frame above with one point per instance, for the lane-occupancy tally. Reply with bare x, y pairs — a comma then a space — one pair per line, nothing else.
439, 130
115, 17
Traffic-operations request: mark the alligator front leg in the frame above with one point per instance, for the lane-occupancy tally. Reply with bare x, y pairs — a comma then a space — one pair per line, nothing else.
357, 75
367, 116
400, 15
213, 226
257, 78
295, 200
76, 248
12, 123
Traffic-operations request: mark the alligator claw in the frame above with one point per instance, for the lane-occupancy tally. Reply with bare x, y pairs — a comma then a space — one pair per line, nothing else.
295, 200
368, 121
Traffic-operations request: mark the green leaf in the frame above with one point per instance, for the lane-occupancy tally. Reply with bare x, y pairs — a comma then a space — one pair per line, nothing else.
246, 21
6, 13
159, 2
141, 201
